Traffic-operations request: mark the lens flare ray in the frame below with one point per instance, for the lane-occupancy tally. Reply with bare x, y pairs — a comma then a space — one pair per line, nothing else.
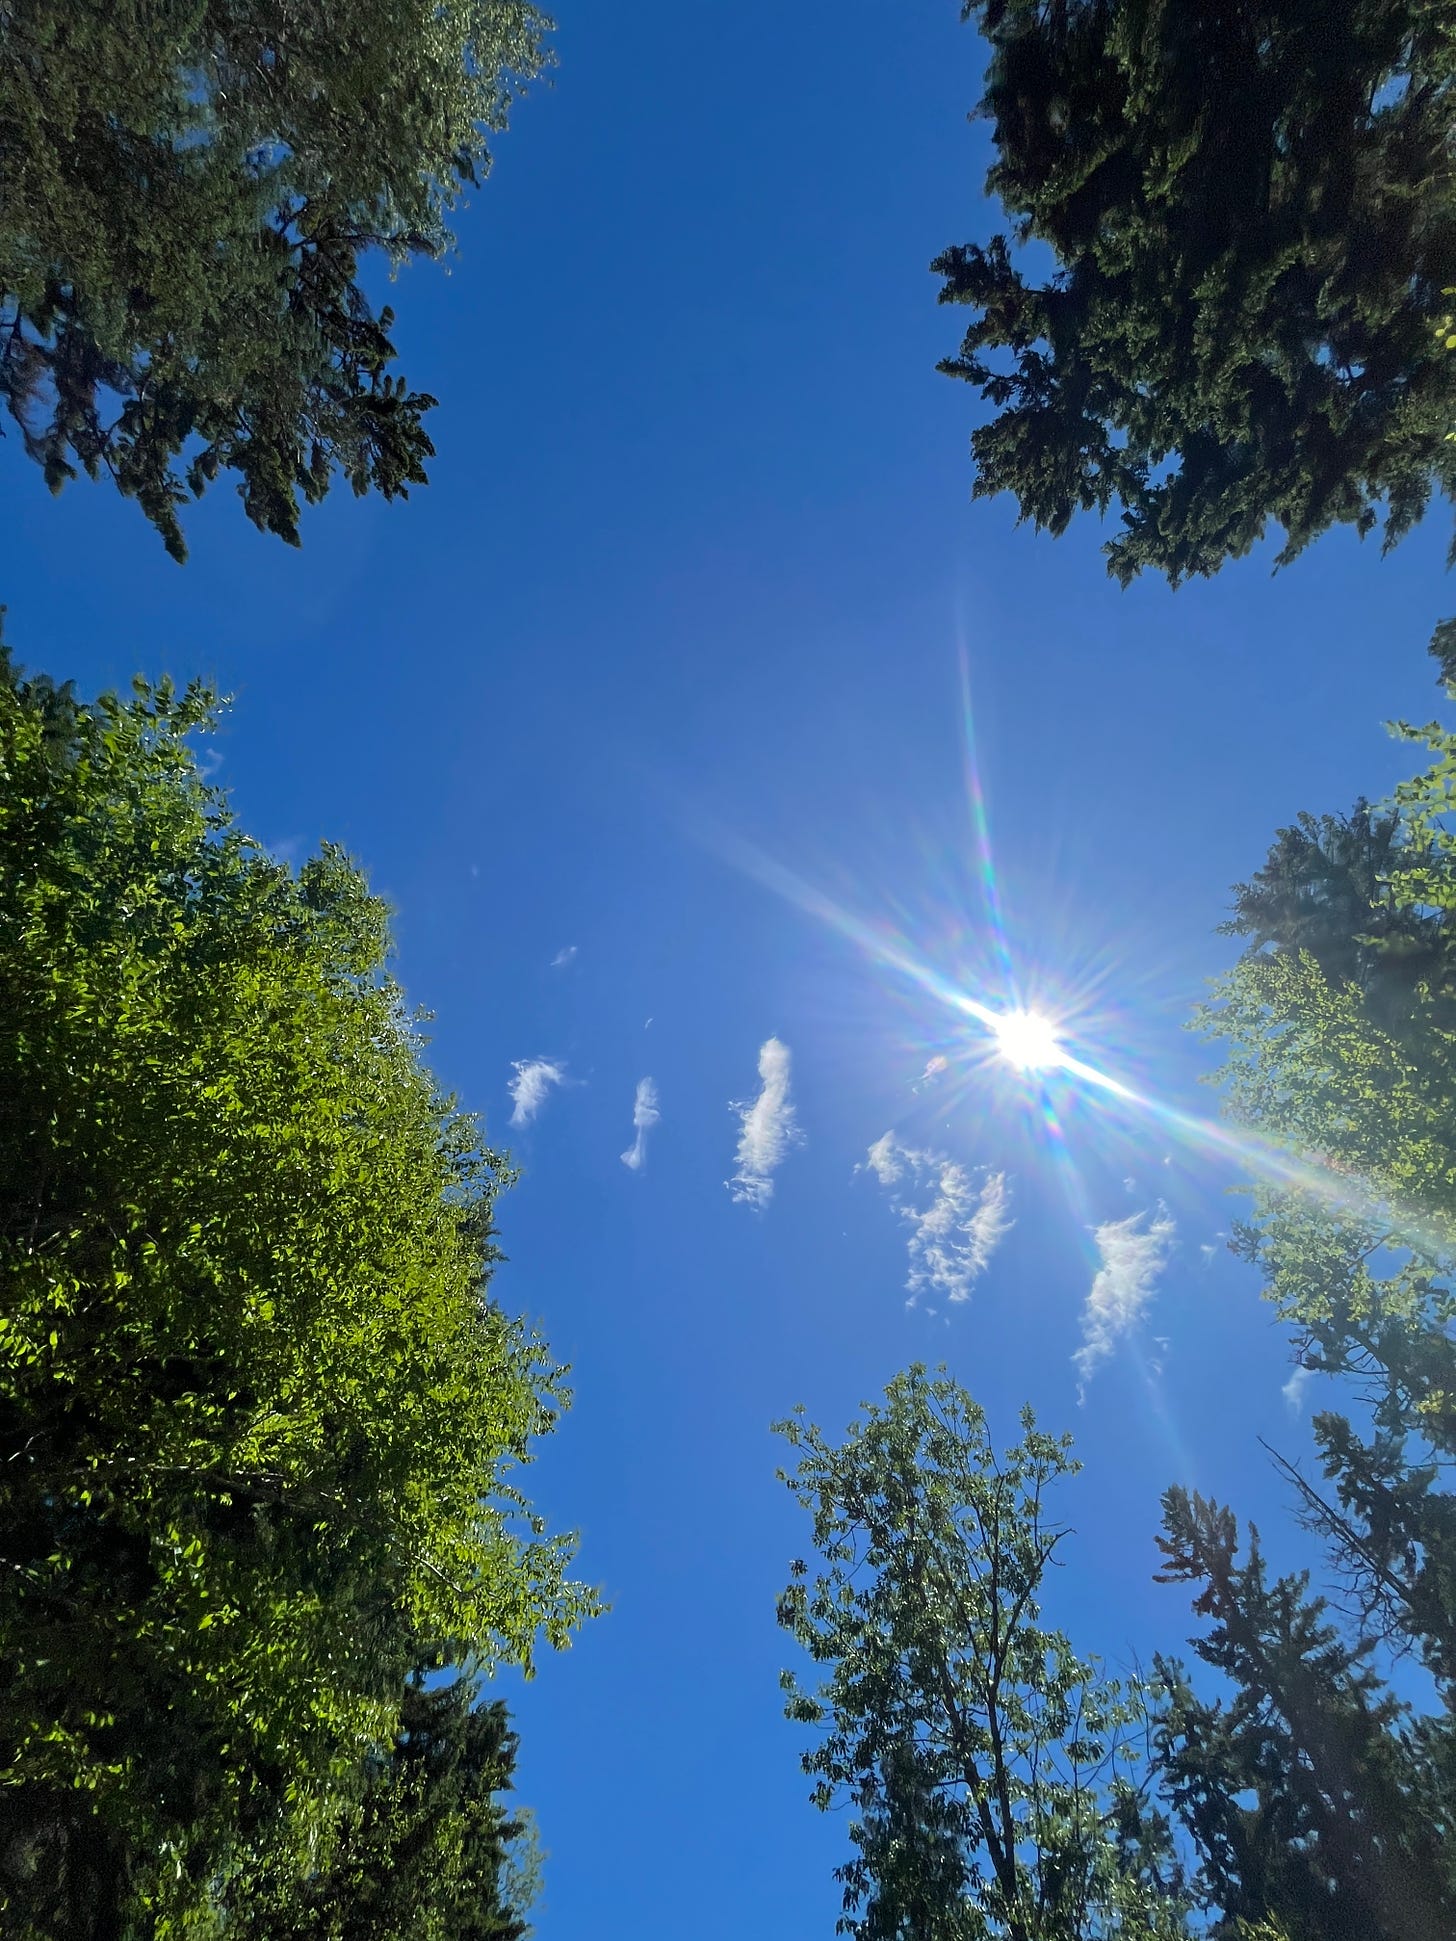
1036, 1042
981, 834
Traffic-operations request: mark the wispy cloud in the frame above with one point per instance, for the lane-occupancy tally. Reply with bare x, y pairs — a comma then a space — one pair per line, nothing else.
884, 1159
1293, 1390
563, 957
1133, 1255
644, 1117
938, 1064
533, 1079
955, 1232
768, 1126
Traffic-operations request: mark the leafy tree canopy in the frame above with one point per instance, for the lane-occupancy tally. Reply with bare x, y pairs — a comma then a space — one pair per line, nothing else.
989, 1770
258, 1413
187, 189
1251, 215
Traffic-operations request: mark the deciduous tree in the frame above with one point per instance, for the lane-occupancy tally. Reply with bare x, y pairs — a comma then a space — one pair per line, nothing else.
259, 1413
990, 1771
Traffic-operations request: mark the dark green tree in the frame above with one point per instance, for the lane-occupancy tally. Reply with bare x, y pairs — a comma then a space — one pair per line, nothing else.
1312, 1798
990, 1771
258, 1412
429, 1853
1251, 215
188, 191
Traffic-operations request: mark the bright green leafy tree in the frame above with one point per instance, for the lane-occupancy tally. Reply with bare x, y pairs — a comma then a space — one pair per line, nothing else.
258, 1413
1251, 215
989, 1770
187, 194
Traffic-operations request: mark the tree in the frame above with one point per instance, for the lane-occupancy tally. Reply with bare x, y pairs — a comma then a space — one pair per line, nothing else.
258, 1412
1339, 1024
429, 1854
1309, 1799
1251, 211
187, 194
989, 1767
1336, 1023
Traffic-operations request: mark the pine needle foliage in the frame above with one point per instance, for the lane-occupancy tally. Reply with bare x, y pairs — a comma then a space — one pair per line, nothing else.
189, 193
1250, 211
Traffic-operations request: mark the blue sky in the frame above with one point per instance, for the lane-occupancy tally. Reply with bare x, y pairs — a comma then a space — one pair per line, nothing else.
691, 582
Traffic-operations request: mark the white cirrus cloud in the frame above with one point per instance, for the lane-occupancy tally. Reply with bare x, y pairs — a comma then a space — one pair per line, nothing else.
1294, 1389
534, 1078
1133, 1255
884, 1159
644, 1117
953, 1233
768, 1127
563, 957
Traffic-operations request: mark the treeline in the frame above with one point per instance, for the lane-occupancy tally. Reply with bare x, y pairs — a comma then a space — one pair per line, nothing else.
262, 1537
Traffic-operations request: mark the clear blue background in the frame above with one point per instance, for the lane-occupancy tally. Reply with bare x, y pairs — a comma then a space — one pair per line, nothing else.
696, 558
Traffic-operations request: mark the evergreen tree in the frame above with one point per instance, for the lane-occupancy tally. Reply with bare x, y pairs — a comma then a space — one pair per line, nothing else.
991, 1772
1339, 1025
258, 1412
1311, 1799
1251, 211
187, 192
428, 1854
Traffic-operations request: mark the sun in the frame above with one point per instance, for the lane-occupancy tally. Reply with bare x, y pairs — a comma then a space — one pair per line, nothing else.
1027, 1040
